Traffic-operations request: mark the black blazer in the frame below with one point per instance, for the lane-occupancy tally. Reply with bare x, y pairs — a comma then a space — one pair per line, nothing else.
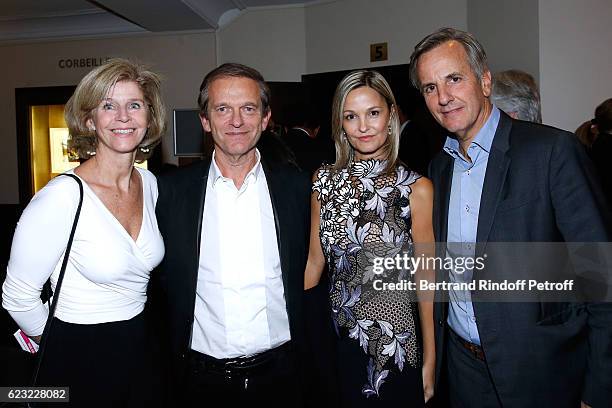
538, 187
180, 206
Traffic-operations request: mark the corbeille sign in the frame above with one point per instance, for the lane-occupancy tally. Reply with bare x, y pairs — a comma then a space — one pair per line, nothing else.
73, 63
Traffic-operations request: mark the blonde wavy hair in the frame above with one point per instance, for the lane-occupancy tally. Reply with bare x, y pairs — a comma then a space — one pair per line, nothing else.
344, 151
94, 87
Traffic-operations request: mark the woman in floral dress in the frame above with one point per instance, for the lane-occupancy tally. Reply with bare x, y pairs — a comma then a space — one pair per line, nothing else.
368, 207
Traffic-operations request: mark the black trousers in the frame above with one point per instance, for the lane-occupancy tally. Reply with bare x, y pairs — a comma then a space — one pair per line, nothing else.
469, 380
271, 379
104, 365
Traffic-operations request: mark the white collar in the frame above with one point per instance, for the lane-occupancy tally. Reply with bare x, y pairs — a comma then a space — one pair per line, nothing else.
215, 176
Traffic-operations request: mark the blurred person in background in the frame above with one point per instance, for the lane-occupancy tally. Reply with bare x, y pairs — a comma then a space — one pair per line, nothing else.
601, 149
516, 93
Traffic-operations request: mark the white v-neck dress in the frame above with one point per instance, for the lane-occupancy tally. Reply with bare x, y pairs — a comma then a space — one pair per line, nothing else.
107, 273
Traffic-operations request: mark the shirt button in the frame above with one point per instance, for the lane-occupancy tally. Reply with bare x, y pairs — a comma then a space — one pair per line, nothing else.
468, 172
473, 318
467, 208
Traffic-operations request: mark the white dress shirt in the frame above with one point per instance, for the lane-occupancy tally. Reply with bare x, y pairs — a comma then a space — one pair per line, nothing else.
107, 272
240, 307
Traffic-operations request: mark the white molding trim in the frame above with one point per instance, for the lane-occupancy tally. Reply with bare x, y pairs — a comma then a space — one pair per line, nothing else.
101, 36
53, 15
321, 2
49, 35
276, 7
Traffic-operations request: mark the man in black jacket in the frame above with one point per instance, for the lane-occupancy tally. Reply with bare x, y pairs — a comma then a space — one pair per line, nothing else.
499, 180
236, 233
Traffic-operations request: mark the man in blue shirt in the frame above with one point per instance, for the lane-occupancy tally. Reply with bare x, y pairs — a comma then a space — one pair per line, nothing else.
501, 180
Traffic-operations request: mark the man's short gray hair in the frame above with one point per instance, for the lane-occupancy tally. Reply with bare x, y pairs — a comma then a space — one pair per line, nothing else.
476, 55
516, 91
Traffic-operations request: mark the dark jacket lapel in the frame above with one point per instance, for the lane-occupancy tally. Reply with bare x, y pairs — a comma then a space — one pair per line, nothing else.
442, 192
497, 168
442, 178
199, 198
193, 200
275, 186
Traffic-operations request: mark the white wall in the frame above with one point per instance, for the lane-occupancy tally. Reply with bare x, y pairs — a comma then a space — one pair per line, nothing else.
575, 59
339, 33
283, 43
508, 30
181, 59
271, 40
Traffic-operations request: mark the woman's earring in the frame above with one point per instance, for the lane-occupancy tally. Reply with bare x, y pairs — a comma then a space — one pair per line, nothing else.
389, 130
144, 149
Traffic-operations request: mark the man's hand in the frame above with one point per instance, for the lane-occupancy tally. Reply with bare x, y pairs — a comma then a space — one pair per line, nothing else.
584, 405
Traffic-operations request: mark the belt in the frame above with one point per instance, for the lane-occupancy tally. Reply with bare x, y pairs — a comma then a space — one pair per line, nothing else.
239, 366
474, 349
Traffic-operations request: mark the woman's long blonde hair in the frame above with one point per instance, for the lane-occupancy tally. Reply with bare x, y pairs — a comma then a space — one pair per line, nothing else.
344, 151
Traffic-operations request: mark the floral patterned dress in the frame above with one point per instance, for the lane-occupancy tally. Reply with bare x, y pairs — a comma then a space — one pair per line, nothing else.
365, 214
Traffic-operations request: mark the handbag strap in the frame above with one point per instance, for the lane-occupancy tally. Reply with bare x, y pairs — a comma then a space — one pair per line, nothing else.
45, 335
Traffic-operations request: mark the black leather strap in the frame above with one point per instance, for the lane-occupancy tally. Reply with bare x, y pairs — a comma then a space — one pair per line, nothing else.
45, 335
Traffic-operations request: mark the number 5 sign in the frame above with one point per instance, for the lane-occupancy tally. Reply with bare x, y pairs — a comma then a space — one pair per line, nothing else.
378, 52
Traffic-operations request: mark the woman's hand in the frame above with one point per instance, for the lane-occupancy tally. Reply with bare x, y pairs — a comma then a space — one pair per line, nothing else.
421, 204
429, 379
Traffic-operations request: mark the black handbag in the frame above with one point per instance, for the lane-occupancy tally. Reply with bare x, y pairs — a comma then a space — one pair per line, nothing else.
47, 329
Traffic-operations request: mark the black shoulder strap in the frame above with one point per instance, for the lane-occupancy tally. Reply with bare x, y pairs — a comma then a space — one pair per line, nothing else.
45, 335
